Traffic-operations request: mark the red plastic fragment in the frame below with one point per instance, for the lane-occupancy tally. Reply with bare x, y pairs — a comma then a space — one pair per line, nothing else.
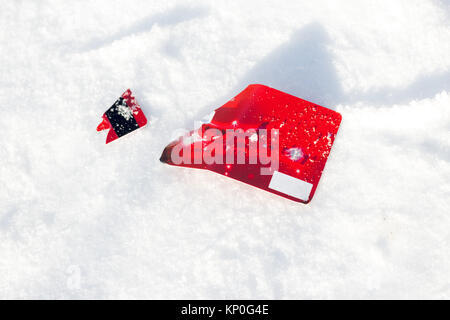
123, 117
302, 138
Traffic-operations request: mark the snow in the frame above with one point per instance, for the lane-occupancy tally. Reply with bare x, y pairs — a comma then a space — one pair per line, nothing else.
124, 111
81, 219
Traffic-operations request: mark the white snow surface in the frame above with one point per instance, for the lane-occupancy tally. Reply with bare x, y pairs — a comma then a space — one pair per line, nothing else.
81, 219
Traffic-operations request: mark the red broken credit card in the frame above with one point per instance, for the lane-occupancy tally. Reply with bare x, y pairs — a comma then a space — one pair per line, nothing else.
265, 138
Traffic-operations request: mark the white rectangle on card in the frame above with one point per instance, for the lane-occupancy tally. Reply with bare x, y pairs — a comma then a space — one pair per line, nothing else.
290, 185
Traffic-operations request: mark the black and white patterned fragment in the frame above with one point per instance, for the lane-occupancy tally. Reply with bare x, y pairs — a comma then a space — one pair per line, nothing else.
121, 118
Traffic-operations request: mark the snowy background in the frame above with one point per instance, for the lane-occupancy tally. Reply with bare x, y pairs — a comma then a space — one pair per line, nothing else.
81, 219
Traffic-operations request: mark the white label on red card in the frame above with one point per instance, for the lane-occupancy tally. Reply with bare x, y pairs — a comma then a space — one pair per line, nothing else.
290, 185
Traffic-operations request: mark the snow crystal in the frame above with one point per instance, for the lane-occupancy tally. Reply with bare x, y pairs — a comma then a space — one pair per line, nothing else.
294, 154
124, 111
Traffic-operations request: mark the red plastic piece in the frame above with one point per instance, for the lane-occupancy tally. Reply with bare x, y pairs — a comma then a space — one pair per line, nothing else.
306, 132
123, 117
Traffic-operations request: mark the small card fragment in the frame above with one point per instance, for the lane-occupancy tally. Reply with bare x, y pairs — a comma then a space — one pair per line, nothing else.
123, 117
